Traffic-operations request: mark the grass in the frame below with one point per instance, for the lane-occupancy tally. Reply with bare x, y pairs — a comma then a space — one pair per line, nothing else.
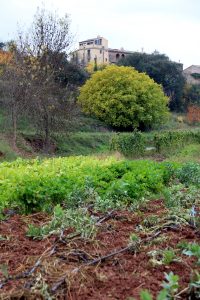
83, 143
84, 135
188, 153
6, 152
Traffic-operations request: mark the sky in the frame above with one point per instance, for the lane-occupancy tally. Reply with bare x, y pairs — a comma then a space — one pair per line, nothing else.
171, 27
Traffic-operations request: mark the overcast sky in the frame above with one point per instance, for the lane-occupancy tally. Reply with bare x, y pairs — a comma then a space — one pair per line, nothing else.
168, 26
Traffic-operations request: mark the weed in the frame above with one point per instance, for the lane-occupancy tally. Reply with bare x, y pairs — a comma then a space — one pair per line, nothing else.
151, 221
171, 284
194, 287
162, 257
79, 219
193, 249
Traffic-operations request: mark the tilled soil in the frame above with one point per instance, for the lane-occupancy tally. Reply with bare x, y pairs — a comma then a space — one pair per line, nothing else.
62, 268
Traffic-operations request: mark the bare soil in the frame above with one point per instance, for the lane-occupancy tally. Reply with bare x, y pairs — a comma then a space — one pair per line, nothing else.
62, 268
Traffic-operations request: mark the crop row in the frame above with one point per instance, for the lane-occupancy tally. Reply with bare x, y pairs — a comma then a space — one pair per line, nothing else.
33, 185
40, 184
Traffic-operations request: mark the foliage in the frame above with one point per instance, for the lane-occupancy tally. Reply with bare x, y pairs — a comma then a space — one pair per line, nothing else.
171, 284
135, 144
189, 174
2, 45
181, 196
170, 287
162, 257
192, 94
63, 219
164, 71
41, 184
194, 290
193, 249
92, 67
41, 84
124, 98
168, 141
129, 144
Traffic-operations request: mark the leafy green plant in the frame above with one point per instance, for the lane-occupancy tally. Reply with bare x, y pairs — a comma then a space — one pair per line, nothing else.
189, 174
79, 219
168, 256
162, 257
150, 221
171, 284
145, 295
39, 185
194, 286
181, 196
193, 249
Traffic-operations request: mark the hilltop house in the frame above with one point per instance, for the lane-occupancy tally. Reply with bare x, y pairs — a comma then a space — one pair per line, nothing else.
96, 50
192, 74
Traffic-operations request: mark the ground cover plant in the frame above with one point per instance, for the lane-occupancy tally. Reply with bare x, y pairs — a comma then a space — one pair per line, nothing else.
83, 227
38, 184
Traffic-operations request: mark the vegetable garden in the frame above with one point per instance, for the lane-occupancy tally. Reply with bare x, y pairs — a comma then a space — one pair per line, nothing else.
99, 228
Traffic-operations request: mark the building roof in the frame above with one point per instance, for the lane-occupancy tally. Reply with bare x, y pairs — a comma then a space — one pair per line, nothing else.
120, 51
89, 40
193, 68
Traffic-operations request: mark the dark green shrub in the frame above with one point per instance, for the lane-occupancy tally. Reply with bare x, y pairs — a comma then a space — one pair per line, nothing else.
129, 144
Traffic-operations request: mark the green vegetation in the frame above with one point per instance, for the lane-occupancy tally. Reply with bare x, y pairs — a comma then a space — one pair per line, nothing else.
6, 152
163, 71
40, 184
124, 98
83, 143
166, 143
63, 219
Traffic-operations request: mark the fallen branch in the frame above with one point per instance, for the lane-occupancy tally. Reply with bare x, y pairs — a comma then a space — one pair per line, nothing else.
104, 258
30, 271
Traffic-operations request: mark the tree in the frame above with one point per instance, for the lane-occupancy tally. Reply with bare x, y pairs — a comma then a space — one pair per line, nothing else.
43, 74
14, 86
192, 95
124, 98
163, 71
2, 45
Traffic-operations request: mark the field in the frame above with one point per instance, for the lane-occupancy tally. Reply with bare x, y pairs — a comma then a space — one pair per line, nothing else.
99, 228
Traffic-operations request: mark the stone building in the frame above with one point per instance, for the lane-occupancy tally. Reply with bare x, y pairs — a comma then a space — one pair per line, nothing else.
96, 51
192, 74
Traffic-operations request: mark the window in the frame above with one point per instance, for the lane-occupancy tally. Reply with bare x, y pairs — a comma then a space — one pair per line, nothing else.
98, 42
88, 55
100, 51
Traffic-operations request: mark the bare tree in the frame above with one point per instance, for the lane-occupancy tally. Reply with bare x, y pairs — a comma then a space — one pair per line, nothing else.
43, 51
14, 88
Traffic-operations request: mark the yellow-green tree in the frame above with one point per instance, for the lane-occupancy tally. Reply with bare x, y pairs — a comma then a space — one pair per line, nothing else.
124, 98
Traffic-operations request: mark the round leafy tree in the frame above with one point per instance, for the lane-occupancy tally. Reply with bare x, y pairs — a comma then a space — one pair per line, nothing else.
124, 98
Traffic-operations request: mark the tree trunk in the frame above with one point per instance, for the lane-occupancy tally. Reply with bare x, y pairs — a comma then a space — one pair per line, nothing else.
14, 125
47, 133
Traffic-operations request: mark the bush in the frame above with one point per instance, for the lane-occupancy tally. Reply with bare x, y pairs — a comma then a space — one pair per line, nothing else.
129, 144
170, 141
124, 98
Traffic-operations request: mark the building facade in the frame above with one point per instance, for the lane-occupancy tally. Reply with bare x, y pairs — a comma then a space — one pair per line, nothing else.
96, 51
192, 74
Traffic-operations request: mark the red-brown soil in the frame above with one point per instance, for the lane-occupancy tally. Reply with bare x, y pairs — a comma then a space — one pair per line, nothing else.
63, 273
